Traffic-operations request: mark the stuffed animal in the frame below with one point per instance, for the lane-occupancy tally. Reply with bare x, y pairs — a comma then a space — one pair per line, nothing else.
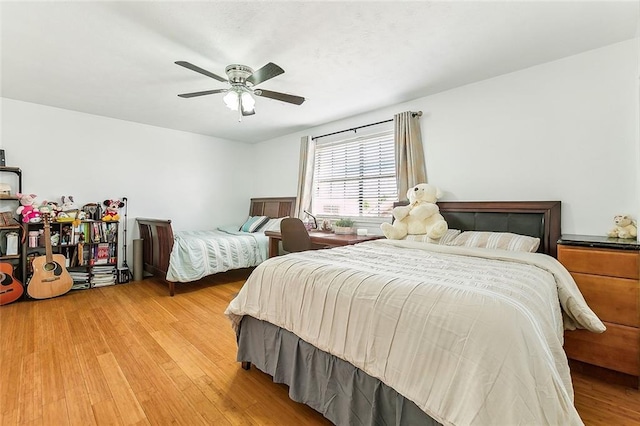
625, 227
69, 210
111, 210
50, 207
27, 208
68, 204
421, 216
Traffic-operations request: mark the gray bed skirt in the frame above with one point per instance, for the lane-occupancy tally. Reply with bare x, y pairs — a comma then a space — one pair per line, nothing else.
343, 393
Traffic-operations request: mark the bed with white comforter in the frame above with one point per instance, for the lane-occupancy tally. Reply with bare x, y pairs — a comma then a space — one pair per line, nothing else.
197, 254
471, 336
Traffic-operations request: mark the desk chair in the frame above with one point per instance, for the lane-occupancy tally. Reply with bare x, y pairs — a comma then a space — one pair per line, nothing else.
295, 236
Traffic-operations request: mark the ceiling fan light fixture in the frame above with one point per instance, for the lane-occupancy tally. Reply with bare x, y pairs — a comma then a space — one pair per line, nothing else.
231, 100
248, 103
243, 79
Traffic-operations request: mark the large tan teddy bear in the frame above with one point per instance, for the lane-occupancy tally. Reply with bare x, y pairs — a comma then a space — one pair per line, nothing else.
421, 216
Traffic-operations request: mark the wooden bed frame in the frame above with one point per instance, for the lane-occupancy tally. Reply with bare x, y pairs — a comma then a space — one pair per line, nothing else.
157, 234
539, 219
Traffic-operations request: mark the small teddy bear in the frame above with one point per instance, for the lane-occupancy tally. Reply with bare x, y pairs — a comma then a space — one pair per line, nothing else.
28, 209
421, 216
111, 210
625, 227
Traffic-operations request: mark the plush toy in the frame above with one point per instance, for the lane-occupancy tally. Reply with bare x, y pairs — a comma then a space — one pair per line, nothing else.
27, 208
421, 216
68, 204
625, 227
69, 211
50, 207
111, 210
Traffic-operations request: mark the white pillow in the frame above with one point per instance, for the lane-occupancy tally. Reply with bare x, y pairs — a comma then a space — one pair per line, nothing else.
497, 240
444, 240
272, 225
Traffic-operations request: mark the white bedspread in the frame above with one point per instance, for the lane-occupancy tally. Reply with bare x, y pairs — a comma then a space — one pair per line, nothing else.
197, 254
472, 336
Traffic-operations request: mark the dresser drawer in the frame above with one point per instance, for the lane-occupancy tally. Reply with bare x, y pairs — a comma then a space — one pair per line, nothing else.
614, 263
615, 300
618, 348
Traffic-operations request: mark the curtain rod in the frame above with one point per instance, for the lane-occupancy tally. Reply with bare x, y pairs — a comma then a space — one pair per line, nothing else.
354, 129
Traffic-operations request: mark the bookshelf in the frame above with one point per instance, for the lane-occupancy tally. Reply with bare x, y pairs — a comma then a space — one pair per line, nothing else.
10, 229
90, 248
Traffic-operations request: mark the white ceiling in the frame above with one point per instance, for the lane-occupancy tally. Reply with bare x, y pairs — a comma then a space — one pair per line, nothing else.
116, 59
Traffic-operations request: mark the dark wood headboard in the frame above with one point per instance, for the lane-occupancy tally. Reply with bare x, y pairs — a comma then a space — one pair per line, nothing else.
539, 219
272, 207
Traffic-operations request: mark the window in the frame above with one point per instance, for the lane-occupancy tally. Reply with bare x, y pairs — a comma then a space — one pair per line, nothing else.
355, 177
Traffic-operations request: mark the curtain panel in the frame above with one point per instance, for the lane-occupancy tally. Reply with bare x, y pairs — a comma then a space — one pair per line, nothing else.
305, 176
410, 163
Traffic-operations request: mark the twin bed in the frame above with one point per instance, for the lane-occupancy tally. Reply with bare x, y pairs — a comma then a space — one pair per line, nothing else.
405, 332
188, 256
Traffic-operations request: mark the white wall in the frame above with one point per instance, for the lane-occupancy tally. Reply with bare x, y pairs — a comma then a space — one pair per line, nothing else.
565, 130
197, 181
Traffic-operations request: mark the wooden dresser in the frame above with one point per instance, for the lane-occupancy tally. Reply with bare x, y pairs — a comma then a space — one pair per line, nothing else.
607, 271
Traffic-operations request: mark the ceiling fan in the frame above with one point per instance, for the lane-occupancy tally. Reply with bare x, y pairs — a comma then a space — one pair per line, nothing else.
243, 80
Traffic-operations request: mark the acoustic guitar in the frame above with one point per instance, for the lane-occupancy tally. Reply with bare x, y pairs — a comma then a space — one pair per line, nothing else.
50, 277
10, 288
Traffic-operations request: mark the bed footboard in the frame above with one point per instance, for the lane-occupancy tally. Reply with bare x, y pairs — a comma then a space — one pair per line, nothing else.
157, 236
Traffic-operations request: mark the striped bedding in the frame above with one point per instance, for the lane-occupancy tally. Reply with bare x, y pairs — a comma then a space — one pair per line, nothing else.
473, 336
197, 254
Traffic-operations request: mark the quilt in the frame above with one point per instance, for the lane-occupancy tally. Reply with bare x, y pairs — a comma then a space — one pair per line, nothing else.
472, 336
197, 254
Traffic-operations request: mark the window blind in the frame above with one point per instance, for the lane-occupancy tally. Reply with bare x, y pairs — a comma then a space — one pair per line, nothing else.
355, 177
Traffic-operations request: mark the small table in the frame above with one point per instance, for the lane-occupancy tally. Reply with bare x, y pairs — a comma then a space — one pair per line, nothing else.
321, 238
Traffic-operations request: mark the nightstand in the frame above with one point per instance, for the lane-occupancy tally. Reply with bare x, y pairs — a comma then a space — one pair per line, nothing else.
607, 271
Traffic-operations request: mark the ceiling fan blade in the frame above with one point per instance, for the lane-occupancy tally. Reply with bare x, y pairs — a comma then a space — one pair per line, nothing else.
298, 100
206, 92
265, 73
245, 113
200, 70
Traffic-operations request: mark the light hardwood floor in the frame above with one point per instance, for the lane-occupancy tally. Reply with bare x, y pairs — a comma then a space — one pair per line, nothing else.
130, 354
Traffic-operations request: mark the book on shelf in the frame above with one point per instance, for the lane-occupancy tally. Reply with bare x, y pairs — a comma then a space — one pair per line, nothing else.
112, 232
6, 219
80, 285
106, 269
102, 253
96, 232
103, 276
103, 283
